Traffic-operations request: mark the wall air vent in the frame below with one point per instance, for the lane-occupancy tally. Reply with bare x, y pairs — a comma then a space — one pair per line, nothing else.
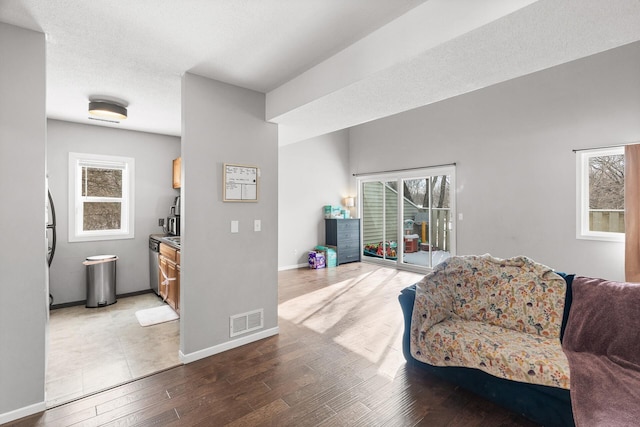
246, 322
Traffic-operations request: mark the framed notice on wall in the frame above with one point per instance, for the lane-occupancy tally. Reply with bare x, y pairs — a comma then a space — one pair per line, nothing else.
240, 183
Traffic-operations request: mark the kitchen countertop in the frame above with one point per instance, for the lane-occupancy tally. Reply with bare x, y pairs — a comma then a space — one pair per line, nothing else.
173, 241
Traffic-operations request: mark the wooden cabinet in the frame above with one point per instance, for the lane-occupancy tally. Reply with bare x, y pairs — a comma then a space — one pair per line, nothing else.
344, 234
177, 170
169, 277
177, 296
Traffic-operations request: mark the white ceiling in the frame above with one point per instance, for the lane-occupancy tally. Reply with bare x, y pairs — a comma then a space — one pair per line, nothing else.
324, 64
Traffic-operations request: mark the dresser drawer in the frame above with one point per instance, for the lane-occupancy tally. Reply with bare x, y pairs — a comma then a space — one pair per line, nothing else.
344, 235
348, 226
168, 252
348, 235
348, 256
353, 244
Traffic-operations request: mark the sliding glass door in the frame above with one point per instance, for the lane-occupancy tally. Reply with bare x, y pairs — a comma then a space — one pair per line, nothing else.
379, 226
408, 218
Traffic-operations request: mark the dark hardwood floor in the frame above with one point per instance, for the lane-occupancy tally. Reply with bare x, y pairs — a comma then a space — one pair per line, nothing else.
336, 362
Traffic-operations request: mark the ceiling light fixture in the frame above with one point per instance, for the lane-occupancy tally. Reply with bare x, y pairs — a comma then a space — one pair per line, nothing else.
107, 110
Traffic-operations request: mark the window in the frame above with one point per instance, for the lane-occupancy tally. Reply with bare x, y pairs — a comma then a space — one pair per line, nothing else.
100, 197
600, 194
408, 217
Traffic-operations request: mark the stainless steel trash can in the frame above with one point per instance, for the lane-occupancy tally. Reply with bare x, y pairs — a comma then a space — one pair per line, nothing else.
101, 280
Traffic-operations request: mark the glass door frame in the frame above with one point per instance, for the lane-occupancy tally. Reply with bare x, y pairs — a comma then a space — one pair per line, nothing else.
399, 177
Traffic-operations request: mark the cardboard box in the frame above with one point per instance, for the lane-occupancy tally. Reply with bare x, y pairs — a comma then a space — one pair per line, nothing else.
330, 255
334, 249
332, 211
316, 260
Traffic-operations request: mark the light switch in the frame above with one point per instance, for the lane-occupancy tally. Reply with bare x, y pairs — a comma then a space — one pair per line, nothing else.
234, 226
257, 225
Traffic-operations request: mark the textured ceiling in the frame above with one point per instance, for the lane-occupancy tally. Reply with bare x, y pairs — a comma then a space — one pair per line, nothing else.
137, 51
541, 35
324, 64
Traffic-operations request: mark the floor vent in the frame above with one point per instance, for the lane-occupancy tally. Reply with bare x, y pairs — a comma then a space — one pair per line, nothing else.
246, 322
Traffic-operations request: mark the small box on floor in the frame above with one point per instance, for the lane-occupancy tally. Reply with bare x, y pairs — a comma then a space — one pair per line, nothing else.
330, 255
316, 260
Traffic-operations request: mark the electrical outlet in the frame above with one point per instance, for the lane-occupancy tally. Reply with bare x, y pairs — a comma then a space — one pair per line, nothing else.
160, 222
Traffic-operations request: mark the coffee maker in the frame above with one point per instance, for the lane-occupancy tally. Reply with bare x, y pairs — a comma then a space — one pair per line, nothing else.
173, 220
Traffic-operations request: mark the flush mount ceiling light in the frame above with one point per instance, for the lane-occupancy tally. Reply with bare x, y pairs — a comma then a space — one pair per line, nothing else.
107, 110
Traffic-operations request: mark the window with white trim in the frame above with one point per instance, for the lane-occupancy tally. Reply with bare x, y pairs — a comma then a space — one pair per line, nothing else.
600, 200
100, 197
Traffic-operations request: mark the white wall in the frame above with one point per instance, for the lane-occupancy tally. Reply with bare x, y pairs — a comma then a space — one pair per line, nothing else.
154, 196
311, 174
223, 273
23, 282
513, 147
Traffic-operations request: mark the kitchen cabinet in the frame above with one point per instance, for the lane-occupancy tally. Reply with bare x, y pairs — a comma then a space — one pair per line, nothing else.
169, 277
177, 170
344, 234
177, 295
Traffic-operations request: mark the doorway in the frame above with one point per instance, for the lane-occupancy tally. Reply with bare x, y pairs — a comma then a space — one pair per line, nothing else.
92, 349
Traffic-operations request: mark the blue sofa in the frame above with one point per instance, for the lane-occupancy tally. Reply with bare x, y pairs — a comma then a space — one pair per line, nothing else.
549, 406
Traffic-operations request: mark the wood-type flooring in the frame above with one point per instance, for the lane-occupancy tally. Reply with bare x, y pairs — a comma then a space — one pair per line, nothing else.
337, 361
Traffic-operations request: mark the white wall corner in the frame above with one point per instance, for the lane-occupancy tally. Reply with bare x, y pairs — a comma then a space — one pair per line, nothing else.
22, 412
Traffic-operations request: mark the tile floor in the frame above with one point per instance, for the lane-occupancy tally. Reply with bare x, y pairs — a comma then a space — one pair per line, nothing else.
91, 349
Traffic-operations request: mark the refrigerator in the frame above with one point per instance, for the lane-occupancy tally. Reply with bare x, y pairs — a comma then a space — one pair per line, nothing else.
51, 233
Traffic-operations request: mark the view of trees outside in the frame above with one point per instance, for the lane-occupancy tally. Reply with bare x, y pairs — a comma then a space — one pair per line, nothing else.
102, 183
439, 222
606, 193
416, 191
606, 182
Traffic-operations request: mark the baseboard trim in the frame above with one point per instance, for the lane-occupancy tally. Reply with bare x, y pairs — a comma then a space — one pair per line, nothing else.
292, 267
76, 303
22, 412
210, 351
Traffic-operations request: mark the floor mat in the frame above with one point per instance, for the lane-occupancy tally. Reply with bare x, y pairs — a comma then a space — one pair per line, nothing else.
153, 316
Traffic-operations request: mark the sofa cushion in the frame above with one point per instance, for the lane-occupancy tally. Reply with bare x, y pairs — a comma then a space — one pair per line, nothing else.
496, 350
515, 293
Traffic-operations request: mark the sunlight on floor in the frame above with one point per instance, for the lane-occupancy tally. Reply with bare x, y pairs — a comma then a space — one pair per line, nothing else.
361, 314
324, 308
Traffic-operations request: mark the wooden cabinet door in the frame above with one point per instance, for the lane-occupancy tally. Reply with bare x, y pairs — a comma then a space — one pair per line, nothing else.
178, 288
162, 283
177, 167
172, 294
169, 290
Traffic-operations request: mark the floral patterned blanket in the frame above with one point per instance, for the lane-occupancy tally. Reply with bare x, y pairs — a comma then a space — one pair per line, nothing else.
502, 316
